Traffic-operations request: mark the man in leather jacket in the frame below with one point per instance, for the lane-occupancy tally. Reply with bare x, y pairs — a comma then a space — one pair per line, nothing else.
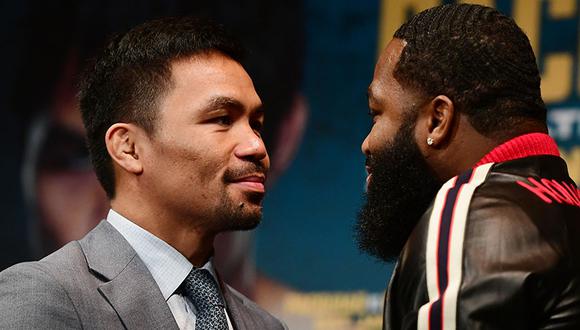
464, 184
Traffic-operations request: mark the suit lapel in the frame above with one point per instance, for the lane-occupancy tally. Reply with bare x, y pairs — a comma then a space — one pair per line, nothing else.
234, 306
128, 285
243, 314
237, 311
137, 298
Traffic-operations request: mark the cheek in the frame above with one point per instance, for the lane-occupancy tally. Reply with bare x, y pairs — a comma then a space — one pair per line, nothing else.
207, 162
178, 163
379, 136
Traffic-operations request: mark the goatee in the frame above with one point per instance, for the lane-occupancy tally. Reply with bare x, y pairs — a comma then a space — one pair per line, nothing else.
240, 215
401, 187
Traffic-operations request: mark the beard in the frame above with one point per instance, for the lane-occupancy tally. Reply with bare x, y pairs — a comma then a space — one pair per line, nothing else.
401, 188
240, 215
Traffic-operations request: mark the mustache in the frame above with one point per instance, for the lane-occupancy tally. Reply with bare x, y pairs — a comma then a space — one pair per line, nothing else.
232, 174
370, 163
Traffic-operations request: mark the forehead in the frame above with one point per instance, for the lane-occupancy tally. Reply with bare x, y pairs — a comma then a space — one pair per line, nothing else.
383, 80
197, 79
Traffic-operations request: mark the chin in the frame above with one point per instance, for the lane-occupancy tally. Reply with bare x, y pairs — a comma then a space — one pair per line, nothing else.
247, 221
251, 215
238, 214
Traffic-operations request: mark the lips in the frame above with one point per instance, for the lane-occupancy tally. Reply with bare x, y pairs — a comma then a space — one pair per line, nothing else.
369, 175
253, 181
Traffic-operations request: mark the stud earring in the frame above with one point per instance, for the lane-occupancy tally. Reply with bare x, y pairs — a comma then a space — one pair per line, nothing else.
430, 141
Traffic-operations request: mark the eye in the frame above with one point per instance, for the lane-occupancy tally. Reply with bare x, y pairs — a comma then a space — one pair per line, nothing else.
373, 114
223, 120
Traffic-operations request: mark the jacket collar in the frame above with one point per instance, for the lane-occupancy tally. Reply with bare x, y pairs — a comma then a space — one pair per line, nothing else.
128, 286
533, 144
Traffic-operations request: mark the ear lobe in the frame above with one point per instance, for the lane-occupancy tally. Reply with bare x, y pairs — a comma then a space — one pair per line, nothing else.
440, 122
120, 140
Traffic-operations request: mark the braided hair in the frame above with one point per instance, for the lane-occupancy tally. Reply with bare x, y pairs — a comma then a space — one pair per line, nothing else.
477, 57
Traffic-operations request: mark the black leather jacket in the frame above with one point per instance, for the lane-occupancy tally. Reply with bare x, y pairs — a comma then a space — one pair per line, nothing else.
499, 248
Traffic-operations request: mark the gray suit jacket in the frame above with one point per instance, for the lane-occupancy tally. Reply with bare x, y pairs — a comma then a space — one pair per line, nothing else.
99, 282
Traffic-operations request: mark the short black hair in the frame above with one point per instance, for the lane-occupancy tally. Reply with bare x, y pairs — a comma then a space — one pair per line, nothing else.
126, 80
477, 57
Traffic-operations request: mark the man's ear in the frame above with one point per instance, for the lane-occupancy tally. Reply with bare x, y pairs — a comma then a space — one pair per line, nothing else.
121, 141
438, 121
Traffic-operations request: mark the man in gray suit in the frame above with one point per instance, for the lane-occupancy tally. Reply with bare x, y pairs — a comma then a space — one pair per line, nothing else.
173, 128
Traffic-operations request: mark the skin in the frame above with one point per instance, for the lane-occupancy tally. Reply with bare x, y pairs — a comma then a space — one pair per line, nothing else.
457, 145
171, 182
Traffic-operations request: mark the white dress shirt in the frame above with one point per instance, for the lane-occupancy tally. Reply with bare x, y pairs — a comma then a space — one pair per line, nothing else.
168, 267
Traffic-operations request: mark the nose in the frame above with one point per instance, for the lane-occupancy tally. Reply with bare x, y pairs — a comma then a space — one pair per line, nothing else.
365, 146
251, 147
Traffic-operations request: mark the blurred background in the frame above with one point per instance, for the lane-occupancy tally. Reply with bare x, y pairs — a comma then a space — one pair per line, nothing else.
311, 62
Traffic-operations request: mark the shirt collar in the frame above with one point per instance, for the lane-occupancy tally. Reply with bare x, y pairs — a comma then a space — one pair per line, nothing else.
533, 144
168, 267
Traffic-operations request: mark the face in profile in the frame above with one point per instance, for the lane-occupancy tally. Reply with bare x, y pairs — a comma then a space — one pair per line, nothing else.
206, 162
400, 183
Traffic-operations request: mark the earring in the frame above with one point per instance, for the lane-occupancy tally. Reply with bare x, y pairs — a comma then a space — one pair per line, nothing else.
430, 141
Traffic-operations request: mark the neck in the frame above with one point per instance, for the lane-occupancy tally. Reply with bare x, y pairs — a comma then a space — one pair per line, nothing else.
467, 147
191, 241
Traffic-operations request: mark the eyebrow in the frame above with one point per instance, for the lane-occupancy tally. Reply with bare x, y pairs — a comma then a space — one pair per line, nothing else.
220, 102
225, 102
